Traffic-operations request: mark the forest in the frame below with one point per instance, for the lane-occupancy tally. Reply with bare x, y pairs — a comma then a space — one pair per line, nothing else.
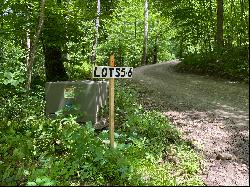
54, 40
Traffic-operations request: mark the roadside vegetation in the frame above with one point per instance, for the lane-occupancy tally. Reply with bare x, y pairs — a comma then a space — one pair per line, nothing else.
232, 64
36, 150
52, 40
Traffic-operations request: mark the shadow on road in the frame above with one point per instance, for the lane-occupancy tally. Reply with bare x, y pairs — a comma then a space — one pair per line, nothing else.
213, 114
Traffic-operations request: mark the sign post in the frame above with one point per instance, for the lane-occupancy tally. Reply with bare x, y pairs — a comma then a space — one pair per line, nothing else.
111, 103
111, 72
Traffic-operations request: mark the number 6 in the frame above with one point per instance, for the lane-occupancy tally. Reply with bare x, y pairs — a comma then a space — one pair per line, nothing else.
130, 72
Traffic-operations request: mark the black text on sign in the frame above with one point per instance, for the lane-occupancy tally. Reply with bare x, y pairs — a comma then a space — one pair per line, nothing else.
112, 72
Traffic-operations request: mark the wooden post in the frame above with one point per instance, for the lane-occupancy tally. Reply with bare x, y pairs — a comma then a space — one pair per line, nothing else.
111, 103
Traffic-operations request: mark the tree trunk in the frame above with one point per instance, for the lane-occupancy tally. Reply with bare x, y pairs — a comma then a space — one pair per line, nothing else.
55, 70
155, 49
27, 46
135, 27
219, 33
242, 21
211, 25
135, 31
34, 45
145, 42
181, 48
93, 57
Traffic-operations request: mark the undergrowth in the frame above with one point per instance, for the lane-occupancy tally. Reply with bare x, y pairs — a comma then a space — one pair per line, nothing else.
231, 63
35, 150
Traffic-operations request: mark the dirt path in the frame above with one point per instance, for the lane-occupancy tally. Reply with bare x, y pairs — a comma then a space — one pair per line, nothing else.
212, 113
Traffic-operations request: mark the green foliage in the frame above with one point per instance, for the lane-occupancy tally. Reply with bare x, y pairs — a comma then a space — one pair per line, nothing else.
36, 150
194, 24
195, 27
176, 29
232, 64
12, 68
125, 35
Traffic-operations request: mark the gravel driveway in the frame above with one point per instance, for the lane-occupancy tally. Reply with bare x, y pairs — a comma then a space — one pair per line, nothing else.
213, 113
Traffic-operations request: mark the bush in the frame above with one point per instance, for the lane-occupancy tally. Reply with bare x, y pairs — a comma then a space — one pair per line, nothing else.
36, 150
12, 68
231, 63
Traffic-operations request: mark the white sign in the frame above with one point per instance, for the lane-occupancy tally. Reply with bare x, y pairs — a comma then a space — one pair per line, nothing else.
112, 72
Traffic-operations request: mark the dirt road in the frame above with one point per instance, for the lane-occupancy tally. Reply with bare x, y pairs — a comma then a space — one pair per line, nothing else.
213, 113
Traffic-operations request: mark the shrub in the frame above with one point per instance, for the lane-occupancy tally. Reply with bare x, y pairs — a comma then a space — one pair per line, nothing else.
36, 150
231, 63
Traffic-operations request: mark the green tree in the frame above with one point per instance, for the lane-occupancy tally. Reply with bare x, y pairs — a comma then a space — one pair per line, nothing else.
33, 46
